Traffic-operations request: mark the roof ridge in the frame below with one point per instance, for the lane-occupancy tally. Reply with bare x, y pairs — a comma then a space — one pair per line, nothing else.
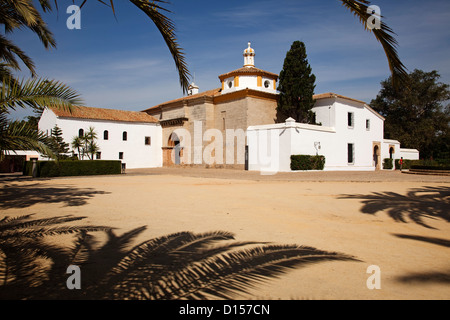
93, 113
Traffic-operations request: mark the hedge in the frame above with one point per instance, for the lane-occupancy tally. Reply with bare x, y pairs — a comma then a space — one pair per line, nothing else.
406, 164
304, 162
67, 168
438, 164
388, 163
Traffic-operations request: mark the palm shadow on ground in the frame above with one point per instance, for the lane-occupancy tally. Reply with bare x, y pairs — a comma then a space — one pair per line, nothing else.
178, 266
23, 196
426, 277
417, 204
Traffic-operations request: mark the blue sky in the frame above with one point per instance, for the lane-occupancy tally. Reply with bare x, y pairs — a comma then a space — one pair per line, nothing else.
125, 64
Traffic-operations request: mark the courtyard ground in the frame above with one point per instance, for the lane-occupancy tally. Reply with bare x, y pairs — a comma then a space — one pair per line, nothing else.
398, 222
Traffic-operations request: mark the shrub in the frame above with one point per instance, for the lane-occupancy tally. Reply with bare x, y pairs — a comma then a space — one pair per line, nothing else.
304, 162
438, 164
74, 168
406, 164
388, 163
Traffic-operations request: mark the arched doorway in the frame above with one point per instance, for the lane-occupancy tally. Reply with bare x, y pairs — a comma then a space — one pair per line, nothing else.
391, 153
376, 156
173, 152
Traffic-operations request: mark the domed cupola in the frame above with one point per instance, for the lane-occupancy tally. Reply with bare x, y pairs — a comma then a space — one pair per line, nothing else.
249, 77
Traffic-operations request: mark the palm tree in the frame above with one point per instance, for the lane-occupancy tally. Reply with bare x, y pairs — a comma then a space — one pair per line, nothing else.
23, 13
77, 143
36, 93
384, 35
90, 147
20, 14
20, 135
183, 265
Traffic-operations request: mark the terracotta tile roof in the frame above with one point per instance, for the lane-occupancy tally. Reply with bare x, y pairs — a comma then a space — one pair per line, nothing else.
210, 93
105, 114
249, 71
334, 95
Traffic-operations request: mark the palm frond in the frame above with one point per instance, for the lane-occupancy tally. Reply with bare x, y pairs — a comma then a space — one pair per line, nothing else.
167, 29
38, 93
385, 35
20, 135
16, 14
8, 53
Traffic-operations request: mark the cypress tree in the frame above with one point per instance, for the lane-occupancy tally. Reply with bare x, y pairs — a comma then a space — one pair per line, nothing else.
296, 86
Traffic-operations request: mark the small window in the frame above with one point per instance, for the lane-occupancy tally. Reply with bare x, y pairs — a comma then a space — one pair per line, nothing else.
105, 135
148, 141
267, 84
98, 156
350, 119
81, 133
230, 84
367, 124
120, 155
351, 153
125, 136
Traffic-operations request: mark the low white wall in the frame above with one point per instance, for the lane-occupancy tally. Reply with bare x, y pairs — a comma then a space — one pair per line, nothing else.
409, 154
271, 146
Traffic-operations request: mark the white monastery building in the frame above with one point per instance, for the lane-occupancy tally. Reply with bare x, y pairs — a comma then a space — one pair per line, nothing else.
350, 134
351, 137
130, 136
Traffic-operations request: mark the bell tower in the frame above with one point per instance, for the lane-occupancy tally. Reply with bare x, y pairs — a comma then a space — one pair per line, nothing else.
249, 57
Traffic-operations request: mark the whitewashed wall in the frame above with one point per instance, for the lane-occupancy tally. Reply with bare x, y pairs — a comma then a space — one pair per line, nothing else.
135, 153
409, 154
295, 138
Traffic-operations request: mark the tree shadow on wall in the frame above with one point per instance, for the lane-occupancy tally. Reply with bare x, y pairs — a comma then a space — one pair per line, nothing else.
23, 196
182, 265
418, 203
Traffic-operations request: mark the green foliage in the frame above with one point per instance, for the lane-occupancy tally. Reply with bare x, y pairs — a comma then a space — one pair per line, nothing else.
384, 35
305, 162
417, 114
74, 168
406, 164
20, 135
296, 86
58, 146
86, 145
437, 164
388, 163
21, 14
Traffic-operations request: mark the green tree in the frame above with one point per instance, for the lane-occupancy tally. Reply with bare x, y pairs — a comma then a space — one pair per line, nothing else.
36, 93
23, 14
59, 147
77, 143
296, 86
90, 145
86, 145
20, 135
417, 114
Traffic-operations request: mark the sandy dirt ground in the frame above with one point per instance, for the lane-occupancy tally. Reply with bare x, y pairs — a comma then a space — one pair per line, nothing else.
398, 222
